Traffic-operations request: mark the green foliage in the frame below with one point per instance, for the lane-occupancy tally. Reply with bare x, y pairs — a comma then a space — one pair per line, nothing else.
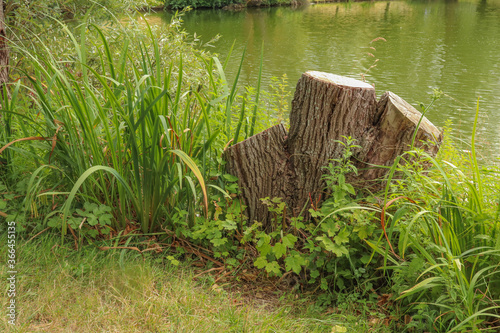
443, 240
92, 220
337, 169
276, 99
127, 132
328, 250
34, 12
180, 4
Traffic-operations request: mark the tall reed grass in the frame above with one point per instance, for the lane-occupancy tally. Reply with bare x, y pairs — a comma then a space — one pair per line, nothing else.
445, 230
129, 127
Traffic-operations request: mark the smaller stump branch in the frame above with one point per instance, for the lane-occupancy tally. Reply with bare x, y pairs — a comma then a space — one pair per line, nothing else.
392, 134
260, 163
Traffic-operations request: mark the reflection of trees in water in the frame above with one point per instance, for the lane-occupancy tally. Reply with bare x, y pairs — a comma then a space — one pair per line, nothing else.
445, 44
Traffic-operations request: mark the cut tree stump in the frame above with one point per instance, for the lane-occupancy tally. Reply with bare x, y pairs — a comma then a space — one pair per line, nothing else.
325, 108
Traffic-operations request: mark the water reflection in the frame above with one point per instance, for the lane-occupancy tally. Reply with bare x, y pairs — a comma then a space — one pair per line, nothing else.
451, 45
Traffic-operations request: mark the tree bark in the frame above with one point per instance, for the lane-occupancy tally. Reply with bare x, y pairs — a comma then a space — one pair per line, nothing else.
260, 165
325, 108
392, 133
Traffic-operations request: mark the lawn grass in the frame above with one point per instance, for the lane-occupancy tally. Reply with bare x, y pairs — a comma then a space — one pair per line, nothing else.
90, 290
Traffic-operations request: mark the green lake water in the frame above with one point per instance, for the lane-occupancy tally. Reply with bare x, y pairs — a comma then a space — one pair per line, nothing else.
450, 45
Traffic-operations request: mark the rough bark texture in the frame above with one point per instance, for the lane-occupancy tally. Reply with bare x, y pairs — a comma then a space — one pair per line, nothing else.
325, 108
260, 165
392, 134
4, 50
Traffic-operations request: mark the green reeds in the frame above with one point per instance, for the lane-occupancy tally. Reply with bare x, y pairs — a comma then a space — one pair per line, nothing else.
129, 132
452, 224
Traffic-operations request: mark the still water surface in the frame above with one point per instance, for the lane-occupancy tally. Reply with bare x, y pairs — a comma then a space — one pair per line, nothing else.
450, 45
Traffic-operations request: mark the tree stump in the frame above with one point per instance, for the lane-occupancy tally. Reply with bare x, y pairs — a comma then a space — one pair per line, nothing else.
325, 108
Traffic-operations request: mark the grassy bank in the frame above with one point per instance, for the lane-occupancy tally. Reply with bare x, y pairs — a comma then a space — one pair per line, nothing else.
90, 290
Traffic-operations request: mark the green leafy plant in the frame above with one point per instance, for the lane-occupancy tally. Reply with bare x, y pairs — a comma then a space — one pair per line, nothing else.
178, 4
328, 250
337, 169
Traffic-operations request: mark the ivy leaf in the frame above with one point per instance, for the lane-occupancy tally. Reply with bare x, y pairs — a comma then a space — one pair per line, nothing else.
324, 284
265, 249
331, 227
311, 246
219, 241
294, 263
337, 249
263, 239
365, 259
325, 240
363, 231
173, 261
316, 213
54, 222
229, 225
338, 329
279, 250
